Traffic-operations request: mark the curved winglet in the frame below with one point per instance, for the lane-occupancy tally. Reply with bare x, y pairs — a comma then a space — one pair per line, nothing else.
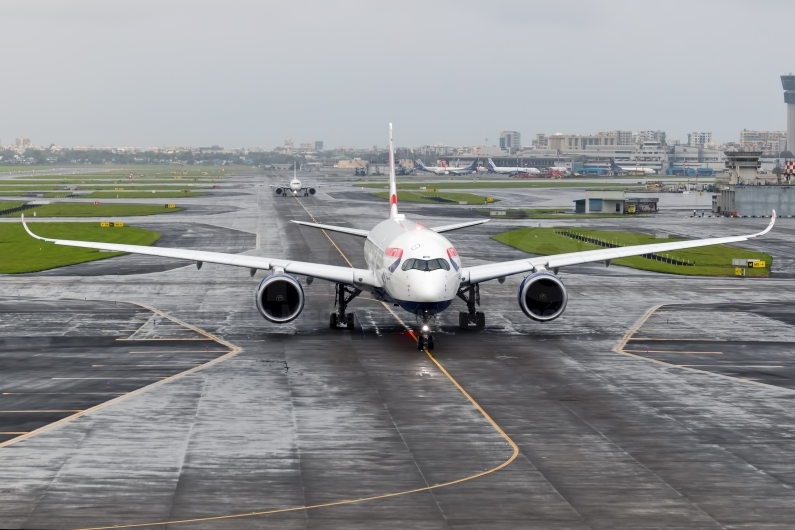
769, 226
28, 230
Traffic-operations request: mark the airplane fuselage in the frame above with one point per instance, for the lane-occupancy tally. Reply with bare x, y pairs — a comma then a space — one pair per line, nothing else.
418, 268
295, 186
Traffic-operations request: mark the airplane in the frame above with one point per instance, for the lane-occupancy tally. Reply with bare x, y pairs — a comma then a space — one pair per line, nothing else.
408, 265
512, 171
294, 187
447, 170
630, 170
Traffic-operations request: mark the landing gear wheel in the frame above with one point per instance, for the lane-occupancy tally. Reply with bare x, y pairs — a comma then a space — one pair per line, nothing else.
430, 343
463, 319
421, 344
349, 321
480, 320
332, 321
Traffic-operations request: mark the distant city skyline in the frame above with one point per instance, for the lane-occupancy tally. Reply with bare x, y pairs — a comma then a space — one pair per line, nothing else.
252, 74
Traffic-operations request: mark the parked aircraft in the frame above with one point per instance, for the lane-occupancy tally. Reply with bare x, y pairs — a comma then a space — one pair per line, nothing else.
512, 171
630, 170
410, 266
447, 170
294, 188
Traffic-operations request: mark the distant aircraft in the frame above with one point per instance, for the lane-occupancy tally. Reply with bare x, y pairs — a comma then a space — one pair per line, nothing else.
294, 187
512, 171
630, 170
408, 265
447, 170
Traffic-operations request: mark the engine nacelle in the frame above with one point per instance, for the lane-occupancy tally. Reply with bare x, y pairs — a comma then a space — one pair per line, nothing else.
542, 296
280, 298
279, 191
311, 191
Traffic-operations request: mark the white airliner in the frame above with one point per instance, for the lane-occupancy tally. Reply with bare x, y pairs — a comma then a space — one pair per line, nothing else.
447, 170
631, 170
294, 188
494, 168
408, 265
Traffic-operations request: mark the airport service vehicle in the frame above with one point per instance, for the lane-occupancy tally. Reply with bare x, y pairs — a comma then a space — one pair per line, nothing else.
294, 188
408, 265
447, 170
513, 171
630, 170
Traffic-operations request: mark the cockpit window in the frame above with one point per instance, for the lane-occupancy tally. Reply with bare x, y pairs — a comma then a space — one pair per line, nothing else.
426, 264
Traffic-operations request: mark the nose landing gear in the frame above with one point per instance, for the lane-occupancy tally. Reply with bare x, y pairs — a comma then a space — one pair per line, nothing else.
425, 337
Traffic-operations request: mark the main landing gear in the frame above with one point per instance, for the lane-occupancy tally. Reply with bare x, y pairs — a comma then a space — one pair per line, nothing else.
343, 296
471, 296
424, 337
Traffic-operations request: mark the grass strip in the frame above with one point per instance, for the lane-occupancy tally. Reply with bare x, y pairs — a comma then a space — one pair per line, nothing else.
435, 197
65, 209
21, 253
715, 260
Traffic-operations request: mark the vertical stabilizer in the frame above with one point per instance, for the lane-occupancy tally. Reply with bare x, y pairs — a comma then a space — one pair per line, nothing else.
393, 209
295, 164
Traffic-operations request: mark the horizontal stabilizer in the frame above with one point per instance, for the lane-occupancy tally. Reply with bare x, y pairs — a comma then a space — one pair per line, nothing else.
447, 228
332, 228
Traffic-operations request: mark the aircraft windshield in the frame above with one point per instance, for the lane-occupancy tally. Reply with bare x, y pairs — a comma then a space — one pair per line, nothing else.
426, 264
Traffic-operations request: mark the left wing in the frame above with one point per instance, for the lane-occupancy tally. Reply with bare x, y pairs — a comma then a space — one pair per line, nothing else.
447, 228
482, 273
333, 273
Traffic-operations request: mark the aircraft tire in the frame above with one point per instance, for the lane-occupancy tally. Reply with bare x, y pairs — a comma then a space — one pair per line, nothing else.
332, 321
463, 319
480, 320
350, 321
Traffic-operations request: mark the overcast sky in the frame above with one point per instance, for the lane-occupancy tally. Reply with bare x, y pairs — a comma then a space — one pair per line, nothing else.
254, 73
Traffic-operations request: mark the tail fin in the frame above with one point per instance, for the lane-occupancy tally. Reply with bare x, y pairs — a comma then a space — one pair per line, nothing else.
419, 164
393, 209
474, 164
492, 167
613, 165
294, 169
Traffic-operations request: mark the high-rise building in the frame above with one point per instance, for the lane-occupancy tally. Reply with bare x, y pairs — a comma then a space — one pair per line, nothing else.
650, 136
318, 145
510, 141
541, 141
23, 142
699, 139
765, 141
788, 83
621, 137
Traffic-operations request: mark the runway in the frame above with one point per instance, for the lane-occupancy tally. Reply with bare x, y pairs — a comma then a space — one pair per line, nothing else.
606, 434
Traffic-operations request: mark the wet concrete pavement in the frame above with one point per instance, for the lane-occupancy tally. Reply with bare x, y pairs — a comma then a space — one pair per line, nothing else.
304, 415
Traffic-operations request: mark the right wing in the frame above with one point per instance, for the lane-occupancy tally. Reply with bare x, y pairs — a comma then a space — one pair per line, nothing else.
482, 273
332, 228
447, 228
333, 273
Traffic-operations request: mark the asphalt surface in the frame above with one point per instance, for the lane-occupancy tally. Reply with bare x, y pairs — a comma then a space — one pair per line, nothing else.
305, 416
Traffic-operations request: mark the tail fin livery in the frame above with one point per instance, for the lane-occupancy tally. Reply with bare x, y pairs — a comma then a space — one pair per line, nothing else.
474, 165
420, 164
393, 209
492, 167
613, 165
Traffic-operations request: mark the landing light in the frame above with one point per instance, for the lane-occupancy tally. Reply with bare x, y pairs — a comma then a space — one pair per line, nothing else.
425, 328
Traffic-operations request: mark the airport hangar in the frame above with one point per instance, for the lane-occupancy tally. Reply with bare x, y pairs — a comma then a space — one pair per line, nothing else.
178, 403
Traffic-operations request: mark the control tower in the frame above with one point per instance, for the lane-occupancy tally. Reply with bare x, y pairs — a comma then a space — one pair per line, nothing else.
788, 82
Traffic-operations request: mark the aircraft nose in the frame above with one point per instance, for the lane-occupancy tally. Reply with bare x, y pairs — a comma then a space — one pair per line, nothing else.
433, 288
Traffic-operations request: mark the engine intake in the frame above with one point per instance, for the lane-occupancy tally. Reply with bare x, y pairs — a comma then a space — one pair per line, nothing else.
542, 296
280, 298
311, 191
279, 191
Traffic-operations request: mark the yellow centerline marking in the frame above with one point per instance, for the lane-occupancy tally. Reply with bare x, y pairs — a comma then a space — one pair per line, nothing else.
675, 351
181, 351
6, 432
619, 348
233, 350
36, 411
687, 340
509, 441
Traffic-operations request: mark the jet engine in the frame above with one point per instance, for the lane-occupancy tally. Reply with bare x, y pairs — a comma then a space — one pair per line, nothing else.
542, 296
280, 298
311, 191
279, 191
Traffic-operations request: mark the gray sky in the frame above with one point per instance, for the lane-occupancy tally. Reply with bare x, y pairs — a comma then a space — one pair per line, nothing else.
254, 73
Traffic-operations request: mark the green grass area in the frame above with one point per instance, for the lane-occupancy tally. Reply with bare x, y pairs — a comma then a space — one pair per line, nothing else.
141, 172
96, 210
485, 184
549, 213
715, 260
434, 197
21, 253
8, 205
140, 194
